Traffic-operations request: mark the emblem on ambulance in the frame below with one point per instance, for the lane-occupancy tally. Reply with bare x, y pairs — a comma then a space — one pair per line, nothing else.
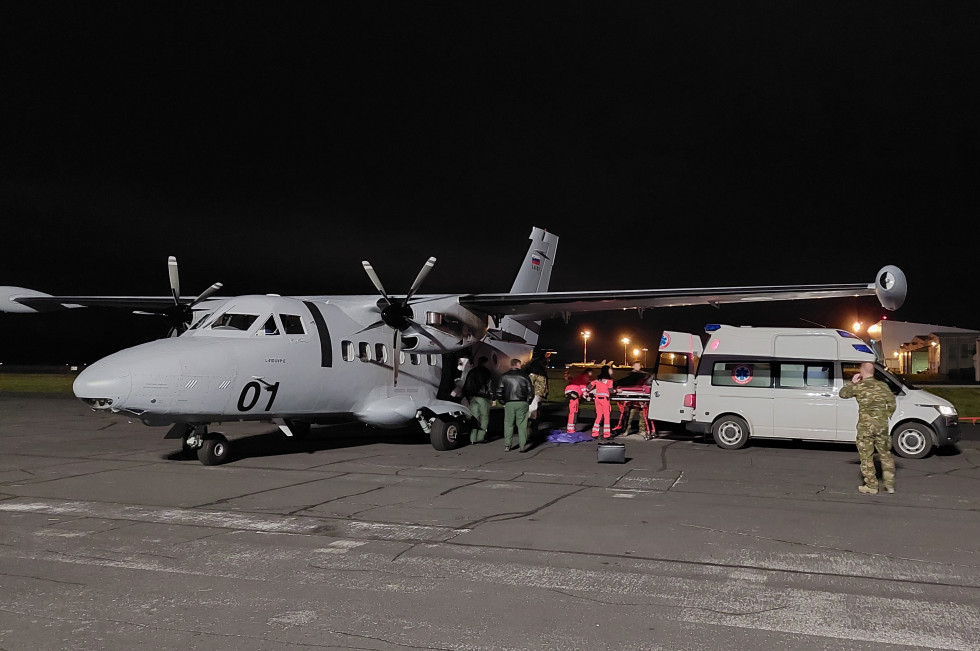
664, 340
742, 374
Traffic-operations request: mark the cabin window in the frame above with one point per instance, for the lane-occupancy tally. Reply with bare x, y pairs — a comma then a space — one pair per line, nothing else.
270, 327
347, 350
416, 359
381, 353
363, 351
292, 324
433, 360
231, 321
401, 356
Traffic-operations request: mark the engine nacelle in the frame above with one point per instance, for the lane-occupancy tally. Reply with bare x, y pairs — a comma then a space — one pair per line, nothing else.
891, 287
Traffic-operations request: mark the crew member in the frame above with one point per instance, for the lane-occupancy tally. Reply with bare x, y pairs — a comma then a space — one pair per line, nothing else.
876, 403
516, 392
637, 379
573, 392
600, 388
478, 390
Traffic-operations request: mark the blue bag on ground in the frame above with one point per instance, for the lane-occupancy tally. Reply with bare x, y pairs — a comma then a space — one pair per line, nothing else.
561, 436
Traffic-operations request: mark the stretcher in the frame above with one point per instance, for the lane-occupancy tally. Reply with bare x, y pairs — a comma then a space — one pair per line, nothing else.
629, 397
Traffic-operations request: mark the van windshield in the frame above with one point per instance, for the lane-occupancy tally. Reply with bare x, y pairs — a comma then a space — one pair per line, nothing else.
849, 369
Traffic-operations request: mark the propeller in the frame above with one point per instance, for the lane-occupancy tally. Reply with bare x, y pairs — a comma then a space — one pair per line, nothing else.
182, 313
396, 314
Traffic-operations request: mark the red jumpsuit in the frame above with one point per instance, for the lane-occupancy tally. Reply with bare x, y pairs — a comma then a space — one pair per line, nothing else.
600, 390
574, 391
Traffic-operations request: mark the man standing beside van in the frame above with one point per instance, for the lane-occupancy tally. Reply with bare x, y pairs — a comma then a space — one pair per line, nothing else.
876, 403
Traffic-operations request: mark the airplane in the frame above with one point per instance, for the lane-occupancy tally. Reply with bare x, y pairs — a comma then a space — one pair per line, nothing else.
384, 360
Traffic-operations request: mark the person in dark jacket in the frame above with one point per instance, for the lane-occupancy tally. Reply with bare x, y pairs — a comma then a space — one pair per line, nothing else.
478, 390
515, 392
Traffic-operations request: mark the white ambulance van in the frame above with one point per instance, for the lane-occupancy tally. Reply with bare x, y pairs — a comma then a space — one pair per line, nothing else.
784, 383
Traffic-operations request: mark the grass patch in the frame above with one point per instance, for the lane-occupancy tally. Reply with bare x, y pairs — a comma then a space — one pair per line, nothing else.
37, 382
966, 400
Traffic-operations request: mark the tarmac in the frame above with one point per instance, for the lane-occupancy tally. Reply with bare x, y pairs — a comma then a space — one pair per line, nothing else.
355, 538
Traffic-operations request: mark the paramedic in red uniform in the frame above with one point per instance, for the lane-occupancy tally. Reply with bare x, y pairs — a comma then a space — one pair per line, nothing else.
574, 391
600, 388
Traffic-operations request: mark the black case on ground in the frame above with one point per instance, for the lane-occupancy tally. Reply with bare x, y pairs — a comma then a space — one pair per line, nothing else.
611, 452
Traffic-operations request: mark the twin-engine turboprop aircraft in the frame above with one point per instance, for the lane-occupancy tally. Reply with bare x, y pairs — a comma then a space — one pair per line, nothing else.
297, 361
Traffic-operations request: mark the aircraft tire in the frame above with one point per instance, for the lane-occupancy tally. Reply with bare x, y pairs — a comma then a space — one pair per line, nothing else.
730, 432
445, 435
912, 440
214, 451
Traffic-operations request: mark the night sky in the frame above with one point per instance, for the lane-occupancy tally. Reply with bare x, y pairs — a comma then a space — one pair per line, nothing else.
272, 146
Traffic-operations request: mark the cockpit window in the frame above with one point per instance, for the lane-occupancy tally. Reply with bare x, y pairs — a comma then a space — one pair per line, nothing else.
230, 321
270, 327
292, 324
197, 324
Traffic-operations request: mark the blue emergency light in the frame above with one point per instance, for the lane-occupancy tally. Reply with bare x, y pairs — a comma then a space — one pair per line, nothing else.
711, 327
861, 348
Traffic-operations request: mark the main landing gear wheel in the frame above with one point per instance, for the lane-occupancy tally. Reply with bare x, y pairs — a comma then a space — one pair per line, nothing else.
214, 451
730, 432
444, 434
912, 440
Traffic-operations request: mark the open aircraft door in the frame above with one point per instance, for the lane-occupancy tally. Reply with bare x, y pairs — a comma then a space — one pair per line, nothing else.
672, 395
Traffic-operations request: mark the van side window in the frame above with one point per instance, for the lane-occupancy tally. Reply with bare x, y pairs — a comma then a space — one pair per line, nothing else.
741, 374
797, 375
819, 375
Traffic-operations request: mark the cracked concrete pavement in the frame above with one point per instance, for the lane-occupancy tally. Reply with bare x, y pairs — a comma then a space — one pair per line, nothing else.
365, 539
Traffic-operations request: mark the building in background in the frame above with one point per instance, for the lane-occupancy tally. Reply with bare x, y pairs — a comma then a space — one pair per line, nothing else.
909, 348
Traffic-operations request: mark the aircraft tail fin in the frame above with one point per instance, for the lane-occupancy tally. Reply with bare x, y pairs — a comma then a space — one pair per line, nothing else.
534, 276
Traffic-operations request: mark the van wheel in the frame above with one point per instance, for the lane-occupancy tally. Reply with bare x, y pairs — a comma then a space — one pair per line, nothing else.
912, 440
730, 432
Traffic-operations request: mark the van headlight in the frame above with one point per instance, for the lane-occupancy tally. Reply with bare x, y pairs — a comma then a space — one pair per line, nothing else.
945, 411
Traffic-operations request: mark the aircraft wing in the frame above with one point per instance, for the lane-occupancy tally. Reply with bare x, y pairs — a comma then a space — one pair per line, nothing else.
31, 301
889, 286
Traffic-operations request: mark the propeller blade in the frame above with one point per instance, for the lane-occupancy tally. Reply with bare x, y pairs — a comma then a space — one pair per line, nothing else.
374, 279
376, 324
174, 279
426, 268
397, 345
207, 292
416, 327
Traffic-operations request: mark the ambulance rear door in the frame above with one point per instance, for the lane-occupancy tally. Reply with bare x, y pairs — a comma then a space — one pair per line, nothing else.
672, 393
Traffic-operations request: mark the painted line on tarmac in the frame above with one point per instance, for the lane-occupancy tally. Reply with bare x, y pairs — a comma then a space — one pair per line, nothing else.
234, 520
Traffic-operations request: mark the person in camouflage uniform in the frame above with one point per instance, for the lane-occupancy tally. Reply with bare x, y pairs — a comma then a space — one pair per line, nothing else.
876, 403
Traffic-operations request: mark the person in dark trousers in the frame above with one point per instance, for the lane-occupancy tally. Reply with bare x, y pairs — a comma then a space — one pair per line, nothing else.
515, 392
478, 390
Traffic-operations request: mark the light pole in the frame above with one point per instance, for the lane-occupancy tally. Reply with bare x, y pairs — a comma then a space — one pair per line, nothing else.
585, 346
644, 358
626, 342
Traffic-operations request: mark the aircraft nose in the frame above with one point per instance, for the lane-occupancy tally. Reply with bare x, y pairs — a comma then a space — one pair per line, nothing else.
103, 385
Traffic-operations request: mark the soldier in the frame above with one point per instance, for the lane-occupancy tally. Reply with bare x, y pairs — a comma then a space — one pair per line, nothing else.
876, 403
